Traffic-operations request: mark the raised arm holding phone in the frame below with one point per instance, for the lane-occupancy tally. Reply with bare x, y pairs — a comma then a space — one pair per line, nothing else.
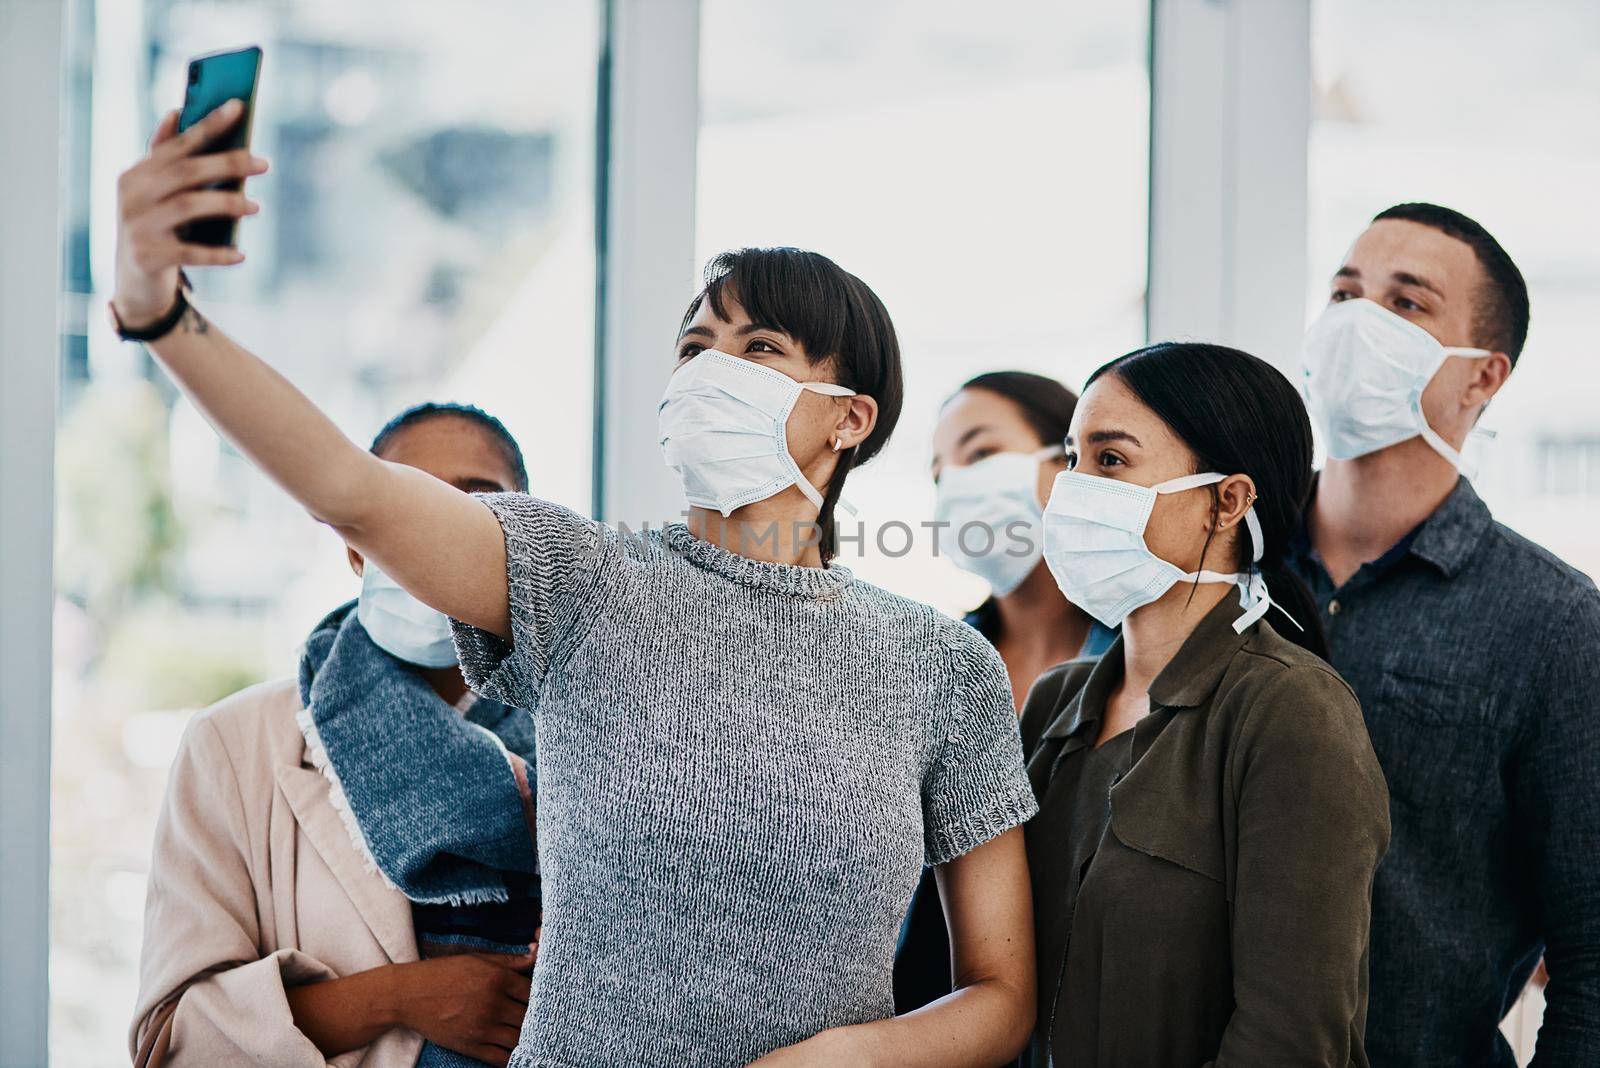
684, 675
413, 525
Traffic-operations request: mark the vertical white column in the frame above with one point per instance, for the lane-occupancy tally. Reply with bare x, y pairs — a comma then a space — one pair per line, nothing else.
30, 273
1231, 111
650, 103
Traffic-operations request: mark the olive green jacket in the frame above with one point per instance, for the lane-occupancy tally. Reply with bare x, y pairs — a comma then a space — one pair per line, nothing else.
1224, 919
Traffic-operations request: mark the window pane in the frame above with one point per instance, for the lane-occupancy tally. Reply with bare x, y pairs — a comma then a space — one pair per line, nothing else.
427, 233
987, 176
1489, 109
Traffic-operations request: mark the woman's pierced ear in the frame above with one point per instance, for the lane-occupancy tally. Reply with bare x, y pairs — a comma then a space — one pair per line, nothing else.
1249, 501
837, 444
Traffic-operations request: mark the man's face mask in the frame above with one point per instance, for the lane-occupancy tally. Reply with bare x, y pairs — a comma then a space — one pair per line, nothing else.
1365, 369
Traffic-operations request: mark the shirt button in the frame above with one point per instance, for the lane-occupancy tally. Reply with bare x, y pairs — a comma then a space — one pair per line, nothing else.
1333, 608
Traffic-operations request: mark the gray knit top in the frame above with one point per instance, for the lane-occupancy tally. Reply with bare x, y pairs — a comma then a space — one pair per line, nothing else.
742, 769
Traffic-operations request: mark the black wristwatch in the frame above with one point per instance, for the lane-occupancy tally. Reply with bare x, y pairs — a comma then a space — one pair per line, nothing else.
156, 330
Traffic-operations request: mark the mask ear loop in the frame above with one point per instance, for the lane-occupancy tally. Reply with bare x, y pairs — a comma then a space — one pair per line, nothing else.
1258, 543
1254, 597
842, 501
1433, 438
826, 389
1439, 445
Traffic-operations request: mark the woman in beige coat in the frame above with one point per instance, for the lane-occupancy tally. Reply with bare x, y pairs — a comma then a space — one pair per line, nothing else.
270, 936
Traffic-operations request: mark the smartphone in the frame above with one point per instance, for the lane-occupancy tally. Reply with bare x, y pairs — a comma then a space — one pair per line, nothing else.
214, 80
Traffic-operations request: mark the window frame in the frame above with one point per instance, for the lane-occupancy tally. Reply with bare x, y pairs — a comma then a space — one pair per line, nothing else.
30, 298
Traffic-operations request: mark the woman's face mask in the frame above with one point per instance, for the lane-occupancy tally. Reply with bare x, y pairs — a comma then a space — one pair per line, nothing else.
723, 427
1095, 547
1100, 543
401, 625
987, 515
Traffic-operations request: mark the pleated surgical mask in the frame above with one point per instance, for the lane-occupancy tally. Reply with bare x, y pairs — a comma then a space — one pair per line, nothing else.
401, 625
988, 517
1365, 369
1094, 545
723, 427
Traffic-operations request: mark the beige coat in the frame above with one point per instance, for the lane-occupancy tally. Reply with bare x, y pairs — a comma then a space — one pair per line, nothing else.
255, 886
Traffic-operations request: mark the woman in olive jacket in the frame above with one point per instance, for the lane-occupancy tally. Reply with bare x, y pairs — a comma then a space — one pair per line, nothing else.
1211, 811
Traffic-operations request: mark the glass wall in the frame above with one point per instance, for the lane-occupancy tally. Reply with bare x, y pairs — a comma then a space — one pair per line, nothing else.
987, 176
1490, 109
427, 233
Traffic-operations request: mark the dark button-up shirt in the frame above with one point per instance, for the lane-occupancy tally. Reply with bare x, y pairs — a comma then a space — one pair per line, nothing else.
1223, 918
1476, 655
1076, 807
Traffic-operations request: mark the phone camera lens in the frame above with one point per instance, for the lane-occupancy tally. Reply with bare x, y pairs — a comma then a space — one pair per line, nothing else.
194, 75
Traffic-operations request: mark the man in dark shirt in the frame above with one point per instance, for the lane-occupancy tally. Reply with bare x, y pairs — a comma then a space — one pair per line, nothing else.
1475, 653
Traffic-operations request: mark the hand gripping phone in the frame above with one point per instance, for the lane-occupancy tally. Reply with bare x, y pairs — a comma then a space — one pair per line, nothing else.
214, 80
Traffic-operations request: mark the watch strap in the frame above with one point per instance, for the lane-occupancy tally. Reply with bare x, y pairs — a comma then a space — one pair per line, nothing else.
156, 330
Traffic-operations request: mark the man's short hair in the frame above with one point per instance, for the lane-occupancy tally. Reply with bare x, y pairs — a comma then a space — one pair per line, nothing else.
419, 413
1500, 316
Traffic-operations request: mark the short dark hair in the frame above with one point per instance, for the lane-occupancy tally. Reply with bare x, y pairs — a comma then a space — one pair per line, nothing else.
1500, 318
421, 413
835, 316
1046, 404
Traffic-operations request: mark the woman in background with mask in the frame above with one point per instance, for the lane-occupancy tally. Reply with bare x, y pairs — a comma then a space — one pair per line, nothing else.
278, 928
746, 756
996, 452
1211, 811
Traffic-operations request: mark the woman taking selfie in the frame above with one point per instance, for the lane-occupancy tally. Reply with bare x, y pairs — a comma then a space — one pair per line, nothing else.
745, 756
996, 453
1211, 812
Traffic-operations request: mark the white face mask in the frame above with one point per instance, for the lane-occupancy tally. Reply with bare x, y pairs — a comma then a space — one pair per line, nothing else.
1094, 544
992, 511
1365, 370
401, 625
724, 429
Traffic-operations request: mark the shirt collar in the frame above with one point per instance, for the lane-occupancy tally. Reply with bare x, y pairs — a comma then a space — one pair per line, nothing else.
1192, 676
1186, 682
1448, 538
1088, 706
1445, 540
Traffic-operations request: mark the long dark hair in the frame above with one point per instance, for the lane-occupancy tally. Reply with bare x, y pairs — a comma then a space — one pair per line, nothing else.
1046, 404
836, 317
1239, 415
